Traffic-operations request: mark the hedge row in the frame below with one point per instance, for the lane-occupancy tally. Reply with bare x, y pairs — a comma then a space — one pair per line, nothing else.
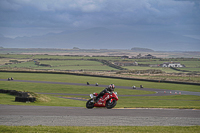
105, 62
25, 99
190, 72
20, 96
149, 71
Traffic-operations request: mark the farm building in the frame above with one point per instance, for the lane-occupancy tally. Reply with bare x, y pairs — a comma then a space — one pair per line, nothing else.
172, 64
149, 56
125, 57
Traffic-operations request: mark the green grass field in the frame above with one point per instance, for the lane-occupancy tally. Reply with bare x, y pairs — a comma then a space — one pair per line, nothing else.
164, 69
62, 65
93, 80
100, 129
185, 78
173, 101
71, 63
79, 68
62, 62
190, 69
81, 63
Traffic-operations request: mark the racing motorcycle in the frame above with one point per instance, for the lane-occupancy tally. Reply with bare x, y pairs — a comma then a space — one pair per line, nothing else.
108, 100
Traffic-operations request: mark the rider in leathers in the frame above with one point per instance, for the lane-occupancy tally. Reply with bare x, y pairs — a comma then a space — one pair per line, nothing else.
110, 89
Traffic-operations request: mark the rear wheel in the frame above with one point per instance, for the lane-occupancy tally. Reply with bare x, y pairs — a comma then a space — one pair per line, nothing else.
110, 105
90, 104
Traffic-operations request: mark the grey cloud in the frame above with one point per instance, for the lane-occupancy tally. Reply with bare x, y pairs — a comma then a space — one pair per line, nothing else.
120, 11
92, 13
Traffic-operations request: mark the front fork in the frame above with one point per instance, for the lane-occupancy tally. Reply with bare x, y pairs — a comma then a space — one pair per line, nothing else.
93, 98
111, 100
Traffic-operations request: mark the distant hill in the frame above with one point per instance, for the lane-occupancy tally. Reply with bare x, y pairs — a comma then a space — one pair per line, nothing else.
136, 49
103, 38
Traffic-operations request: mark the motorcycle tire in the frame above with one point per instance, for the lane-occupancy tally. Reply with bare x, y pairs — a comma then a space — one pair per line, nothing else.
111, 105
90, 104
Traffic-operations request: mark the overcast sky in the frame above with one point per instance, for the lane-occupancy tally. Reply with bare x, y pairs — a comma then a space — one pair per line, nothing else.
38, 17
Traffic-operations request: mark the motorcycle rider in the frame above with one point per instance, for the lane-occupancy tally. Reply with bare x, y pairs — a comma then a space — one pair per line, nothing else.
109, 89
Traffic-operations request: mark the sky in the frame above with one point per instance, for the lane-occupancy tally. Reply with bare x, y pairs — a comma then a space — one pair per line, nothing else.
20, 18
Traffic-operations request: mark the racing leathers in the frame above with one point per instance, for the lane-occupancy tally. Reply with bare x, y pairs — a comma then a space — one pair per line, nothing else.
106, 90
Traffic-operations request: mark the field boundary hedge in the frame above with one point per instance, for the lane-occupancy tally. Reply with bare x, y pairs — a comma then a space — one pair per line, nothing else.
19, 95
103, 76
183, 70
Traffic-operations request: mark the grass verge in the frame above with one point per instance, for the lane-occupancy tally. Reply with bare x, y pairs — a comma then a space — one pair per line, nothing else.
59, 88
175, 101
100, 129
42, 100
93, 80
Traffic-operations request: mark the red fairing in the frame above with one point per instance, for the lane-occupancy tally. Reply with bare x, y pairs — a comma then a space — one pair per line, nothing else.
102, 101
115, 96
95, 94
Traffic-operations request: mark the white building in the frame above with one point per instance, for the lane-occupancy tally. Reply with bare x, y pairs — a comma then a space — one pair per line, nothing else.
172, 64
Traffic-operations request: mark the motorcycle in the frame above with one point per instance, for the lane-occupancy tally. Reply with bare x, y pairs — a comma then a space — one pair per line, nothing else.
108, 100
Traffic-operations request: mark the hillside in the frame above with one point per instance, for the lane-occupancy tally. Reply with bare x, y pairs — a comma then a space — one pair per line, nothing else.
141, 50
103, 38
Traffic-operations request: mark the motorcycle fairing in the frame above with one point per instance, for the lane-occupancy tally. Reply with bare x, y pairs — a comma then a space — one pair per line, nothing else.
102, 101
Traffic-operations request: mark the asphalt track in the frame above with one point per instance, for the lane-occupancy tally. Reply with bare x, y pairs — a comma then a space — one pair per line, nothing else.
77, 116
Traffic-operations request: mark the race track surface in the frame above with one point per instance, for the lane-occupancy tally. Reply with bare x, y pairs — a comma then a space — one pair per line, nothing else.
77, 116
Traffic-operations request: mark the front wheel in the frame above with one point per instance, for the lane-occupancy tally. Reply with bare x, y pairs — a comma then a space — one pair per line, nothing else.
90, 104
110, 105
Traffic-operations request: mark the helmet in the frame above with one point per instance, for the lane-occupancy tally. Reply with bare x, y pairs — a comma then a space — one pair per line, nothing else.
111, 87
